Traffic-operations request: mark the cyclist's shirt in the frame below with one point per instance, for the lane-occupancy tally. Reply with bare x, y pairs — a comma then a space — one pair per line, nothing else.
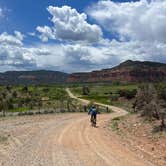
93, 111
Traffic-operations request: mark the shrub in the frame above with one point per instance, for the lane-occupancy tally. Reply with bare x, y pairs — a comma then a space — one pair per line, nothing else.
25, 89
85, 90
45, 90
14, 94
146, 101
148, 104
114, 97
162, 91
128, 94
38, 112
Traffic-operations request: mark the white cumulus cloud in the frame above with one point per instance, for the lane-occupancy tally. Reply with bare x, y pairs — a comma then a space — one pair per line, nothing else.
141, 20
7, 39
69, 25
46, 33
78, 57
13, 55
19, 35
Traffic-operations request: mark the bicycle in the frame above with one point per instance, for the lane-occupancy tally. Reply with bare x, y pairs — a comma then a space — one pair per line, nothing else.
93, 122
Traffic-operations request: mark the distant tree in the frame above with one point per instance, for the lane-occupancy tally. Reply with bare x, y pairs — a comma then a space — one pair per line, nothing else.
163, 123
14, 94
162, 91
40, 104
4, 106
5, 102
114, 97
21, 102
116, 83
85, 108
9, 103
4, 94
85, 90
27, 100
45, 90
128, 94
25, 89
8, 88
163, 115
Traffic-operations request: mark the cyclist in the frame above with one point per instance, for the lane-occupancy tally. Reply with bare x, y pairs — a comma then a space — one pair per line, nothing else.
93, 113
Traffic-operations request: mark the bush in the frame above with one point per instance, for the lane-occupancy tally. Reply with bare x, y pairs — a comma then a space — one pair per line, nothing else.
62, 111
85, 90
45, 90
162, 91
25, 89
148, 104
29, 113
38, 113
114, 97
128, 94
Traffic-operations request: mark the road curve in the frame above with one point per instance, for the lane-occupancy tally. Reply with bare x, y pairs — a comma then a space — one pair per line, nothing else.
117, 111
63, 140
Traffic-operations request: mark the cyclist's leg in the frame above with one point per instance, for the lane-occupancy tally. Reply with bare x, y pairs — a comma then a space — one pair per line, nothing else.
95, 118
91, 118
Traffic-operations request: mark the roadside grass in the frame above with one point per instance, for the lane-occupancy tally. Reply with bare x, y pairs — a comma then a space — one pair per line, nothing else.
126, 104
22, 109
99, 99
115, 123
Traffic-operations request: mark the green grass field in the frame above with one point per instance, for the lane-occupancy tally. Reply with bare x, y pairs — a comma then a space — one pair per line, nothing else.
104, 89
106, 94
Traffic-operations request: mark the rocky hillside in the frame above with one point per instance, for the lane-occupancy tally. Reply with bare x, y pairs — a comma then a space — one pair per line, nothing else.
32, 77
128, 71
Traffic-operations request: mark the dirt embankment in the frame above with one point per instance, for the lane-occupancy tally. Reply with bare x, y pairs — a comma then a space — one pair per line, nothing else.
143, 137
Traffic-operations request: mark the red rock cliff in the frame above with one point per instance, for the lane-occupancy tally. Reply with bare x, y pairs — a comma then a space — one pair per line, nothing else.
129, 71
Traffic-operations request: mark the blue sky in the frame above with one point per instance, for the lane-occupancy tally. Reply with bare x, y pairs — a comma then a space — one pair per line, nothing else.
26, 15
72, 35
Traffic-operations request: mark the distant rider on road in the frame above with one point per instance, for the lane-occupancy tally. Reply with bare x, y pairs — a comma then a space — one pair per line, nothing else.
93, 113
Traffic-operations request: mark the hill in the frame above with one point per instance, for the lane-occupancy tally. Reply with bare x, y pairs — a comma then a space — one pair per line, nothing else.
32, 77
128, 71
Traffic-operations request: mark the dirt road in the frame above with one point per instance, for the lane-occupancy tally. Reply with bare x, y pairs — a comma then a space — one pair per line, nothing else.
62, 140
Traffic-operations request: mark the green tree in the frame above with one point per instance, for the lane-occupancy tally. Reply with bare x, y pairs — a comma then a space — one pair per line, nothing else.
85, 90
8, 88
14, 94
3, 106
25, 89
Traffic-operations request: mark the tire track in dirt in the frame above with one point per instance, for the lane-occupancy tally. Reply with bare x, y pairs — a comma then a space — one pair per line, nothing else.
69, 140
36, 149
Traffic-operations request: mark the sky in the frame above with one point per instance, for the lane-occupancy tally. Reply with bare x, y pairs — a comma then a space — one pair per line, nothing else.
74, 36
